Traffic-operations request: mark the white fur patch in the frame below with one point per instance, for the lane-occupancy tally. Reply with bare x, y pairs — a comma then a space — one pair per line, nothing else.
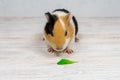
60, 13
66, 43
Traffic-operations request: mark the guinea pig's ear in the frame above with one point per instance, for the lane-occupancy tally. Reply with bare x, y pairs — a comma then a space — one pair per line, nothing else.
69, 17
48, 16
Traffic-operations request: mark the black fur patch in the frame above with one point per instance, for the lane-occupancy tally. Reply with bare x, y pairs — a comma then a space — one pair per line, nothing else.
63, 10
49, 29
76, 25
50, 24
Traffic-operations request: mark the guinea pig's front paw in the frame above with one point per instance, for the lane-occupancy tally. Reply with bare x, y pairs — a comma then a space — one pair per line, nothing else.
51, 50
69, 51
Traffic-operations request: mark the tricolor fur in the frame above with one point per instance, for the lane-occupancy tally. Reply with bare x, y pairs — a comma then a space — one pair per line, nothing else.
60, 29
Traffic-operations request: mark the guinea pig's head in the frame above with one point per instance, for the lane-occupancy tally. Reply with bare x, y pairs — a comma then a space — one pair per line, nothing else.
57, 32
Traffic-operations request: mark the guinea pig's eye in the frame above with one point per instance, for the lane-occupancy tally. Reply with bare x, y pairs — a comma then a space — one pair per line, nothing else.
65, 33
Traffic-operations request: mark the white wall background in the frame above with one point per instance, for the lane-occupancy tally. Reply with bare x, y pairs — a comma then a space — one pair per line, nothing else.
81, 8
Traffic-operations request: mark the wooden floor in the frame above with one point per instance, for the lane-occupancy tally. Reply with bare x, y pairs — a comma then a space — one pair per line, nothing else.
24, 56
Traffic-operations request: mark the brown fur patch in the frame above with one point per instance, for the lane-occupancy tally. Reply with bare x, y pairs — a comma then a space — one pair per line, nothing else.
59, 34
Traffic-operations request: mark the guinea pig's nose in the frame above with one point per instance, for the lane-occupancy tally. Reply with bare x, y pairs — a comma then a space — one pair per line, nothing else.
58, 48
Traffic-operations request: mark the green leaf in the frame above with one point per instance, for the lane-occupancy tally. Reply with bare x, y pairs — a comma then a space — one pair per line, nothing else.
65, 61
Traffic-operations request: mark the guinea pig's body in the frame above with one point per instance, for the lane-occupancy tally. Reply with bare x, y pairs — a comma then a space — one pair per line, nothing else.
60, 30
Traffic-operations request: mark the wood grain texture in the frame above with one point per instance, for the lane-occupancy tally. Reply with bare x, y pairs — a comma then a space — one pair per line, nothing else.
24, 56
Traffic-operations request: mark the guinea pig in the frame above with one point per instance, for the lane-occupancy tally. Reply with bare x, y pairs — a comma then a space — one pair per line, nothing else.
60, 30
